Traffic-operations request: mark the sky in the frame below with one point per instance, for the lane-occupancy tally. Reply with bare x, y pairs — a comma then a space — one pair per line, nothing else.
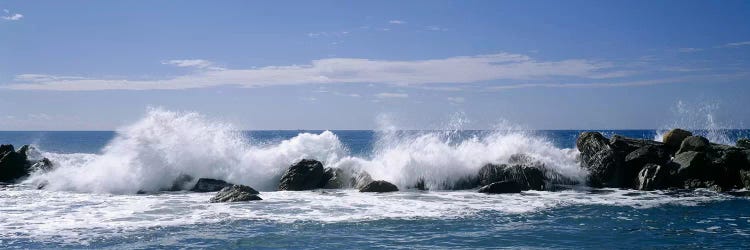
99, 65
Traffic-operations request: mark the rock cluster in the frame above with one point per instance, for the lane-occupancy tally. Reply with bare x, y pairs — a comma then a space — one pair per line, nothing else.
15, 165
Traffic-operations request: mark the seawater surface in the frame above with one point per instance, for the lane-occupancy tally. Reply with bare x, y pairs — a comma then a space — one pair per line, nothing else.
90, 199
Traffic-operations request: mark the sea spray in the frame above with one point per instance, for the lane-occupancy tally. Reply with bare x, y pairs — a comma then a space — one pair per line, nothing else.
151, 153
701, 120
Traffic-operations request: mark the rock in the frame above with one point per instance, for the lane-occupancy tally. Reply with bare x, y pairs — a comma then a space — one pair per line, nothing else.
463, 183
490, 173
361, 179
43, 165
5, 148
236, 193
420, 185
13, 165
647, 154
182, 181
379, 187
335, 178
607, 169
590, 143
694, 143
745, 178
653, 177
693, 165
501, 187
527, 177
306, 174
743, 143
626, 145
209, 185
674, 137
695, 183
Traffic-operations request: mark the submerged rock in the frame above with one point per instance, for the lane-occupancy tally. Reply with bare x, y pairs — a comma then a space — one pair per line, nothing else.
379, 187
209, 185
236, 193
674, 138
306, 174
501, 187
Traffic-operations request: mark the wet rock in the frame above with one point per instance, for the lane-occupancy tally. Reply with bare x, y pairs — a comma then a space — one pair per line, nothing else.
745, 178
13, 165
626, 145
379, 187
182, 181
590, 143
5, 148
306, 174
647, 154
43, 165
693, 165
674, 138
501, 187
743, 143
236, 193
654, 177
490, 173
420, 185
527, 177
607, 169
209, 185
694, 143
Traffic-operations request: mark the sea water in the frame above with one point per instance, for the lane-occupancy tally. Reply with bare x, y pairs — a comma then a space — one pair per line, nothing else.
90, 200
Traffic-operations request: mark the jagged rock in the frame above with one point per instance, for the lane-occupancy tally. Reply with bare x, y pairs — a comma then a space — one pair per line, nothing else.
674, 137
379, 187
5, 148
694, 143
236, 193
527, 174
695, 183
590, 143
745, 178
743, 143
209, 185
653, 177
647, 154
626, 145
182, 181
306, 174
607, 169
43, 165
490, 173
501, 187
13, 165
693, 165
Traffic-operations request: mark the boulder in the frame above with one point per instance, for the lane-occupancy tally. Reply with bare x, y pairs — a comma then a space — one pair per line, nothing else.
674, 138
5, 148
379, 187
590, 143
236, 193
335, 178
653, 177
607, 169
694, 143
626, 145
13, 165
182, 181
647, 154
693, 165
743, 143
209, 185
490, 173
745, 179
501, 187
306, 174
528, 178
43, 165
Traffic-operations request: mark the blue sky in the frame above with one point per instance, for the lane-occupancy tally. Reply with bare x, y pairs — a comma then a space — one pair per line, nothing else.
97, 65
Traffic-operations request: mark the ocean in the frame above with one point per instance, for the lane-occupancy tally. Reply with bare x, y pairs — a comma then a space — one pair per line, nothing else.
90, 200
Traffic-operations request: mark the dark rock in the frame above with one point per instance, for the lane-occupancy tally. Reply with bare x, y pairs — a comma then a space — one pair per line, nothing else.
336, 178
182, 181
607, 169
420, 185
501, 187
490, 173
745, 178
693, 165
236, 193
528, 177
695, 183
379, 187
653, 177
5, 148
647, 154
694, 143
43, 165
360, 179
590, 143
209, 185
463, 183
304, 175
626, 145
674, 138
13, 165
743, 143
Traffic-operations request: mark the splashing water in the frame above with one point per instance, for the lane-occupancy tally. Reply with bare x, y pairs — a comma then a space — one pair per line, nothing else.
151, 153
700, 119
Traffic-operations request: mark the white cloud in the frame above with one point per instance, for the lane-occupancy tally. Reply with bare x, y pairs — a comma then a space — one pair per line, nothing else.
737, 44
396, 22
391, 95
11, 16
451, 70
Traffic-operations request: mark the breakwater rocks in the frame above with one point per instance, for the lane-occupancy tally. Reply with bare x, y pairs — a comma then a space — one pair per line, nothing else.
621, 162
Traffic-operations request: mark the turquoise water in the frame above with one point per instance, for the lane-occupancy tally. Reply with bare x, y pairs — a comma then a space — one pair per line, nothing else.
101, 212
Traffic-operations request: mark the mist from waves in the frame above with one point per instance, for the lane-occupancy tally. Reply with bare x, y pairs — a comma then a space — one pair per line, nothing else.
151, 153
701, 119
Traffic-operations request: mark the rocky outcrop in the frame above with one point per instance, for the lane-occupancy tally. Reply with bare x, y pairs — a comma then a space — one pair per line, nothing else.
209, 185
306, 174
501, 187
743, 143
14, 165
623, 162
379, 187
674, 138
236, 193
527, 177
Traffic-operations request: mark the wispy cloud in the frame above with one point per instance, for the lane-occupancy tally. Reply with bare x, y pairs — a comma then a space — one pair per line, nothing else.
456, 99
396, 22
736, 44
452, 70
11, 16
391, 95
689, 50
